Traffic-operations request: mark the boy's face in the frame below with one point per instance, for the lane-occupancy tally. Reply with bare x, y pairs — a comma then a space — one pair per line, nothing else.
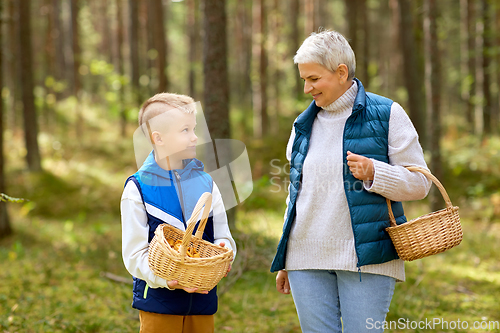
177, 139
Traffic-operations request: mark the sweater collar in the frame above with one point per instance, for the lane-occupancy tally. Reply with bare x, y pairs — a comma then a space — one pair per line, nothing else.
344, 102
304, 121
360, 101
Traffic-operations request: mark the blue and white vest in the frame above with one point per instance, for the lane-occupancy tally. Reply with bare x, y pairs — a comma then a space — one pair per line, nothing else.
365, 133
169, 196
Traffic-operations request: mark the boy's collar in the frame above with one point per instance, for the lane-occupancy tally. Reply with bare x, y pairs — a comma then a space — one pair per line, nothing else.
151, 166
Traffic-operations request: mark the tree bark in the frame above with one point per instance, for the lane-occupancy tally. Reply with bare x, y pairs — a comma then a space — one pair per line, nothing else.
433, 92
27, 85
5, 228
259, 85
215, 75
412, 74
294, 44
120, 29
14, 67
487, 77
160, 43
58, 31
133, 9
352, 21
471, 43
216, 85
75, 43
365, 59
310, 18
478, 99
193, 27
497, 119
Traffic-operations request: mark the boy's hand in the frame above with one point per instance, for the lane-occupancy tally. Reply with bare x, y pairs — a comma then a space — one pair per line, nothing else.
360, 166
175, 285
229, 269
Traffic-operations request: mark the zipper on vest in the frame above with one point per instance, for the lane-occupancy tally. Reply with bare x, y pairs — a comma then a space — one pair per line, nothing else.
181, 201
145, 291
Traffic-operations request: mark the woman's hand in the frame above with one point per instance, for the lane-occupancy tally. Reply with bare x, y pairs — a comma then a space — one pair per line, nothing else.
360, 166
282, 283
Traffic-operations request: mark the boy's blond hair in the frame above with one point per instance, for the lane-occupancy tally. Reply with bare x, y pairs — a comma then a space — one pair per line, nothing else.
175, 101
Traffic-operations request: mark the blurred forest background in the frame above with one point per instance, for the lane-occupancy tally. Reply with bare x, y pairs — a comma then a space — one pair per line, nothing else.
75, 72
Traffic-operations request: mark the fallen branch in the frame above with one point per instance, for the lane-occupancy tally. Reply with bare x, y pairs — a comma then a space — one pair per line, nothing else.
116, 278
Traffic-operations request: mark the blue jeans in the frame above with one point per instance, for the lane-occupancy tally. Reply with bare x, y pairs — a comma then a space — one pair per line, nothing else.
323, 297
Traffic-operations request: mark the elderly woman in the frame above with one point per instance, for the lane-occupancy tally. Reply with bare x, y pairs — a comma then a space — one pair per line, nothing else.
348, 151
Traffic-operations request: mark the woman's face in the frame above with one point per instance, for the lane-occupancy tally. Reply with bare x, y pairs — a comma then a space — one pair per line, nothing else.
324, 85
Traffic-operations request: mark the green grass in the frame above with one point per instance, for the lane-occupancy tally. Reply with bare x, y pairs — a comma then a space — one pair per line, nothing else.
69, 234
52, 279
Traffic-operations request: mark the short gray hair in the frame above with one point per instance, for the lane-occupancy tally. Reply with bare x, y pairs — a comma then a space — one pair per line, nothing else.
329, 49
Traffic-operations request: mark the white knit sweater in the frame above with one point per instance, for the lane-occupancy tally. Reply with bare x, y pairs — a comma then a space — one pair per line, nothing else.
321, 236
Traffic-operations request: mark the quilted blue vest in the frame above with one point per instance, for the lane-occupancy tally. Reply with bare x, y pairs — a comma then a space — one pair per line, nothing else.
171, 197
365, 133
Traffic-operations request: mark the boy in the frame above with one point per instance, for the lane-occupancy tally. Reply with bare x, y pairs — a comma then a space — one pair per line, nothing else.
165, 190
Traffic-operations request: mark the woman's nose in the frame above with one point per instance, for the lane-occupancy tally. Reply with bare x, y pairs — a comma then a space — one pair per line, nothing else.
307, 88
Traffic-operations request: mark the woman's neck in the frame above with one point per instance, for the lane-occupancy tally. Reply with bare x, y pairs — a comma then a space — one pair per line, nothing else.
346, 101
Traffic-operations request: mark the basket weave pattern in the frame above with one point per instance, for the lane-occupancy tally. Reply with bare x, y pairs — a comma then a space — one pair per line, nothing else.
203, 273
429, 234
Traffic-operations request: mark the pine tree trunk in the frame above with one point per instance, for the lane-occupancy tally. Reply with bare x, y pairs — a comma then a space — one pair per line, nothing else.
365, 59
412, 75
75, 38
133, 9
352, 21
60, 57
14, 67
215, 73
216, 84
27, 86
433, 96
5, 228
310, 19
193, 27
120, 29
471, 42
277, 72
497, 118
295, 43
160, 42
259, 85
487, 77
479, 80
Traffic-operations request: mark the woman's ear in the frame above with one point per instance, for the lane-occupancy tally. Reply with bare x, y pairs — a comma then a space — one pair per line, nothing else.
342, 72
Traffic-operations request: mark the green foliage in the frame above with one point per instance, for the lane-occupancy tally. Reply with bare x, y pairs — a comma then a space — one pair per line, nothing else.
472, 166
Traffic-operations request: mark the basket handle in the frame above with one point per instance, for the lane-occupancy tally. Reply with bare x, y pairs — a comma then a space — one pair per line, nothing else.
436, 182
204, 201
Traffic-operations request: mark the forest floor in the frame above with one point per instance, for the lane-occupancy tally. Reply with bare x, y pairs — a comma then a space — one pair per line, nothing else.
67, 241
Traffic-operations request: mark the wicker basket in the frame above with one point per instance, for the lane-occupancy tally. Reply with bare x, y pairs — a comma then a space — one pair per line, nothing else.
203, 273
428, 234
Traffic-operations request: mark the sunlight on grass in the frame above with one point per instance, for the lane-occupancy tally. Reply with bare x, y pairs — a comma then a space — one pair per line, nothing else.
69, 234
